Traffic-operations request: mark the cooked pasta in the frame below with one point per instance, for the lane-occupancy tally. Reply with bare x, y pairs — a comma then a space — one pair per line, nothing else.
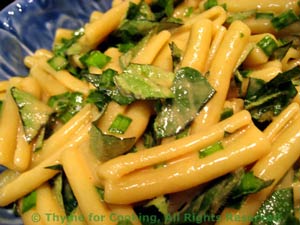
159, 112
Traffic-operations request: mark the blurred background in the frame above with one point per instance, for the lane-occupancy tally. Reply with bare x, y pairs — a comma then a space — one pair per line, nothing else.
4, 3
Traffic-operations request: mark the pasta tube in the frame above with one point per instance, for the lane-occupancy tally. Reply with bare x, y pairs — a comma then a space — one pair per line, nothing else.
84, 190
234, 42
125, 164
146, 184
198, 47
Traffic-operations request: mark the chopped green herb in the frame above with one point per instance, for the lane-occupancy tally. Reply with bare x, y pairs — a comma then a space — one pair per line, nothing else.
66, 105
260, 15
29, 201
40, 140
284, 19
268, 45
125, 47
100, 191
95, 58
211, 149
70, 202
106, 147
145, 82
120, 124
227, 112
55, 167
192, 91
149, 140
58, 62
99, 99
210, 3
56, 184
106, 88
177, 55
269, 99
278, 206
281, 51
34, 113
161, 203
249, 184
183, 133
188, 11
62, 48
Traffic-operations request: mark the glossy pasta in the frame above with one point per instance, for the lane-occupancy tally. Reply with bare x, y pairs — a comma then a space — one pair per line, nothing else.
169, 115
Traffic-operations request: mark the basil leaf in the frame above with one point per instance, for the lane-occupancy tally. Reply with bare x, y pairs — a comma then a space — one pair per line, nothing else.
191, 92
106, 147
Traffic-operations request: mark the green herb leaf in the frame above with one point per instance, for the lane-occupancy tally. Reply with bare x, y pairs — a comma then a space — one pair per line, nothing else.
66, 105
95, 58
29, 201
192, 91
106, 89
261, 15
34, 113
177, 55
100, 191
106, 147
284, 19
210, 3
70, 202
211, 149
268, 45
227, 112
38, 145
62, 48
249, 184
145, 82
281, 51
279, 207
271, 98
55, 167
120, 124
58, 62
99, 99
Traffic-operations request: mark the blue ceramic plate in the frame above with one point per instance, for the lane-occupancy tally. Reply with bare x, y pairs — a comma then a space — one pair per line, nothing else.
27, 25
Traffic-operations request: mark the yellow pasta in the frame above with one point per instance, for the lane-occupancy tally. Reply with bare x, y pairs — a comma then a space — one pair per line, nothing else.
23, 151
125, 164
134, 187
199, 43
48, 207
148, 53
48, 83
8, 131
84, 190
96, 32
220, 73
